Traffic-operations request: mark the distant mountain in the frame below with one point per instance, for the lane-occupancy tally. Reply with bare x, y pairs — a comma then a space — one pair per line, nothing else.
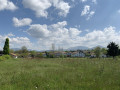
78, 48
83, 48
71, 48
15, 49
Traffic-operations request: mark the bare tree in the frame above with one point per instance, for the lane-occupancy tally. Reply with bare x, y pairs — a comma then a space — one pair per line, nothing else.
53, 47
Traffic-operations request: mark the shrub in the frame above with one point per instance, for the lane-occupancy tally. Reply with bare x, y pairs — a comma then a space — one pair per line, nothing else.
5, 57
23, 55
40, 55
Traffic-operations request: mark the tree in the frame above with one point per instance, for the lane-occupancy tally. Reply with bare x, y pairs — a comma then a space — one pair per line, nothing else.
24, 52
6, 50
97, 51
24, 49
33, 54
12, 51
40, 55
47, 54
104, 51
53, 47
113, 49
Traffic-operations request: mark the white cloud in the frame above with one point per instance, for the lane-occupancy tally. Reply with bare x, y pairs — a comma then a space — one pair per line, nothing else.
38, 31
77, 26
40, 6
86, 10
55, 33
61, 36
21, 22
87, 30
74, 32
70, 37
94, 1
90, 14
15, 42
18, 42
101, 37
83, 0
7, 5
63, 7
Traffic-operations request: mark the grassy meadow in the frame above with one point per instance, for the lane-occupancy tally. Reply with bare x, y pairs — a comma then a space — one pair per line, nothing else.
60, 74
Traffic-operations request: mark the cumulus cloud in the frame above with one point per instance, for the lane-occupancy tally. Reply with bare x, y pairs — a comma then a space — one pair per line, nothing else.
21, 22
63, 7
52, 31
15, 42
101, 37
7, 5
40, 6
38, 31
62, 36
18, 42
70, 37
55, 33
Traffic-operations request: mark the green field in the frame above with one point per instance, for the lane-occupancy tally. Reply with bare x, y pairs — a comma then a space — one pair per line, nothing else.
60, 74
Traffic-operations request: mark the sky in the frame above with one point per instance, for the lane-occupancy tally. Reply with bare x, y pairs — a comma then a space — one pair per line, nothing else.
37, 24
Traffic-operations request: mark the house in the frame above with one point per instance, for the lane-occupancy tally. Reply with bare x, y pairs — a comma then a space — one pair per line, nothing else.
81, 53
44, 54
78, 53
74, 54
103, 56
92, 55
57, 54
64, 53
68, 54
13, 55
87, 53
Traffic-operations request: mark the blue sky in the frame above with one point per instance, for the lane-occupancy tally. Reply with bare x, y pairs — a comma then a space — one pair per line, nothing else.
66, 23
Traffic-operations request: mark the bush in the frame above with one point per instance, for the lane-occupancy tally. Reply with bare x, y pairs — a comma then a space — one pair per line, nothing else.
5, 57
40, 55
23, 55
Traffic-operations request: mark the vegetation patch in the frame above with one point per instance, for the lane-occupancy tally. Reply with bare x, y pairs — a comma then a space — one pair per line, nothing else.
63, 74
5, 57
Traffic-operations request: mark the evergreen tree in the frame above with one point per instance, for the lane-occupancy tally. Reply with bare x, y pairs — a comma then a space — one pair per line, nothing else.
6, 47
113, 49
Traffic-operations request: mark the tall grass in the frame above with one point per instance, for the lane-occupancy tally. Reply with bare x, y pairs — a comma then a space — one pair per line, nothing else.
60, 74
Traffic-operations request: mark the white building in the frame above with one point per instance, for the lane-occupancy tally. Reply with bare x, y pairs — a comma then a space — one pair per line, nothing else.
77, 54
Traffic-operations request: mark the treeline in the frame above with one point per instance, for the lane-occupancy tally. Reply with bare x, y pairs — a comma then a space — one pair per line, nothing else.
25, 53
112, 50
